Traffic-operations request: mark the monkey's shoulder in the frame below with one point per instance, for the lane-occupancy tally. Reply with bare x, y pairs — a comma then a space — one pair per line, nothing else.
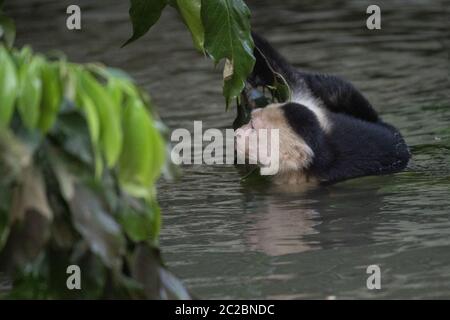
351, 147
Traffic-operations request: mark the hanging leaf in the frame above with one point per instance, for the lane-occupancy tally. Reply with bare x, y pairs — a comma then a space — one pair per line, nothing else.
23, 56
92, 118
85, 103
110, 124
143, 153
144, 14
30, 92
190, 12
93, 121
115, 91
158, 154
8, 86
136, 155
138, 220
51, 96
227, 36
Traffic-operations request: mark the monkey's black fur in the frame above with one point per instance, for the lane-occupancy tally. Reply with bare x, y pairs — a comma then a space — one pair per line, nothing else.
359, 143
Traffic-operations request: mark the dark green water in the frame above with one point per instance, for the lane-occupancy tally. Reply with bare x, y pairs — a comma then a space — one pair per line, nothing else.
225, 239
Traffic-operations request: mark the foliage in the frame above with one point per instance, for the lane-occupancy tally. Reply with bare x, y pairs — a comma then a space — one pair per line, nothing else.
227, 29
80, 151
190, 11
220, 28
144, 14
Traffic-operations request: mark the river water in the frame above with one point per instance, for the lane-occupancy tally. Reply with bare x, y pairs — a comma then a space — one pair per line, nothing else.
229, 239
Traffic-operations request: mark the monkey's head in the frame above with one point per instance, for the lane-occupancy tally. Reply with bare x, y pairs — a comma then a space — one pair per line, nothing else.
270, 129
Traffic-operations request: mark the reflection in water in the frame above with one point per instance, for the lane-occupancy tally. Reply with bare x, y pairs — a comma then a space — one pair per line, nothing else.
280, 229
285, 223
229, 239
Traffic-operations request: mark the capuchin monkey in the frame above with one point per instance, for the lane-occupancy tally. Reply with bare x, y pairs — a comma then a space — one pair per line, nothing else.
328, 131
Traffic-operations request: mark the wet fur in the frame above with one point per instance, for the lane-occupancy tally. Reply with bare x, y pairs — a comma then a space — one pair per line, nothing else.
337, 133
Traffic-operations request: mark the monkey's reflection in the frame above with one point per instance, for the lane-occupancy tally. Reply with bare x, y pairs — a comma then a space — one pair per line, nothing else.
294, 222
281, 229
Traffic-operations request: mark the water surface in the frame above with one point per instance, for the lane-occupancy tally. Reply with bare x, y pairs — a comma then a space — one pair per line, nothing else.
228, 239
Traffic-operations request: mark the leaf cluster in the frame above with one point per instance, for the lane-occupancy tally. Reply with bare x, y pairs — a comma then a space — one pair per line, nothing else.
81, 149
219, 28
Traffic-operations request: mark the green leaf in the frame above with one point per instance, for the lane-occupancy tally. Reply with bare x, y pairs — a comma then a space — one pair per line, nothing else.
115, 91
143, 153
93, 121
23, 56
7, 30
190, 12
158, 152
144, 14
109, 116
30, 92
51, 96
8, 86
71, 134
140, 220
227, 36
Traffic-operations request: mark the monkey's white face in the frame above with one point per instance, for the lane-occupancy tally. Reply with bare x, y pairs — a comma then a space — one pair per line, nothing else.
256, 135
265, 124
